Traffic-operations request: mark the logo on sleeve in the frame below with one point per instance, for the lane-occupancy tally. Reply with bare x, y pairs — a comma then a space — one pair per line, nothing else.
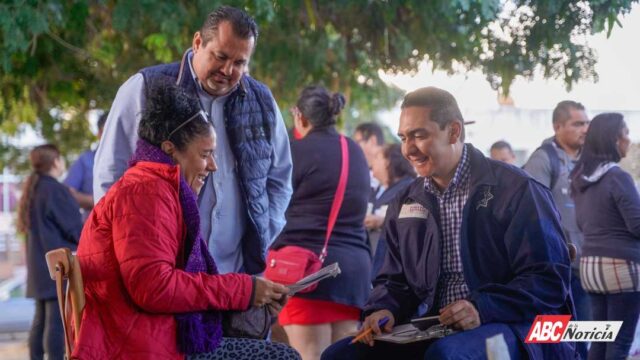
413, 210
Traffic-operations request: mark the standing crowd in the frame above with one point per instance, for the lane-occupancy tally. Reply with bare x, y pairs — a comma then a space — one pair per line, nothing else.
195, 180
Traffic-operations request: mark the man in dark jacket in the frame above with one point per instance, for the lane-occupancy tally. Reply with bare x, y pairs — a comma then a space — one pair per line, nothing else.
476, 241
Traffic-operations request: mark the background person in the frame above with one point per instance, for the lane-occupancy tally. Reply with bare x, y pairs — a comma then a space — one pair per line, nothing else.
608, 213
50, 218
395, 173
80, 176
152, 288
370, 137
314, 320
502, 151
551, 165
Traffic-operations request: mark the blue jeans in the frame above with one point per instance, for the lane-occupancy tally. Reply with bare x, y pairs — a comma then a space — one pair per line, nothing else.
622, 306
463, 345
582, 303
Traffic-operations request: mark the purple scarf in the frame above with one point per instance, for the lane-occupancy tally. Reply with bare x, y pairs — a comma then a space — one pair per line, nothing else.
197, 332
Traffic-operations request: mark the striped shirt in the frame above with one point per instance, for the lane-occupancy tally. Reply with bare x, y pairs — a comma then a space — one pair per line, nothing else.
605, 275
451, 284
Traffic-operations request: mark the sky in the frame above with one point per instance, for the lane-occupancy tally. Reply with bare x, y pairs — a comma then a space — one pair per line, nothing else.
618, 88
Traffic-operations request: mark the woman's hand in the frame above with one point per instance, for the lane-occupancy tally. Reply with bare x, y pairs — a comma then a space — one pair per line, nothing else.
268, 292
373, 222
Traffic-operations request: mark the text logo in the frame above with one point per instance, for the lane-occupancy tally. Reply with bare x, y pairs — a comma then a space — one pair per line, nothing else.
548, 329
557, 328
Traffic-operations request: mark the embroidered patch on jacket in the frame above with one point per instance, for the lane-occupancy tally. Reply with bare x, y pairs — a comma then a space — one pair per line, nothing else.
413, 210
485, 200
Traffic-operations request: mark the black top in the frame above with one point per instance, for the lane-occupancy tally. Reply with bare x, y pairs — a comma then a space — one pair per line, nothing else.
608, 213
55, 222
316, 171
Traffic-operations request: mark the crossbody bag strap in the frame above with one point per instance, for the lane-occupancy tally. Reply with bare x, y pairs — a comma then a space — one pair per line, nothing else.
339, 196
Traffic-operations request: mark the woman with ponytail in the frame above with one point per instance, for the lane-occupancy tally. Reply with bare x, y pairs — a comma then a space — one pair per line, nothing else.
314, 320
50, 218
608, 214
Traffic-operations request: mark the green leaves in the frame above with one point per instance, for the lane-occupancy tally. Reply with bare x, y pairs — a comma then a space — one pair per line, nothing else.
65, 57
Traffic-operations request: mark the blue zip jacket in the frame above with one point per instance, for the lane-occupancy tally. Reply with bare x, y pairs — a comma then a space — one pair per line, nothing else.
515, 261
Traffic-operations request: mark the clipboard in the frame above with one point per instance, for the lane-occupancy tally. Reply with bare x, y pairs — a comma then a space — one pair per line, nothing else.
408, 333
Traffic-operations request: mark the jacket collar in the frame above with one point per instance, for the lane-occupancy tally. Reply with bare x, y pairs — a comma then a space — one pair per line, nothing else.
171, 173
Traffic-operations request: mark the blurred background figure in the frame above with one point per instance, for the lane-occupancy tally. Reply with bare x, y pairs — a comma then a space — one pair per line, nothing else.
608, 213
50, 218
551, 164
314, 320
394, 173
80, 176
370, 137
502, 151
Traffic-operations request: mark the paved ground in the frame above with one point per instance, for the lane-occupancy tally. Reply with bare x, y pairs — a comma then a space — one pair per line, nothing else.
14, 347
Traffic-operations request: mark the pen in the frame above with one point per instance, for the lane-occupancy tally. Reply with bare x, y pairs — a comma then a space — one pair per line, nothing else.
382, 322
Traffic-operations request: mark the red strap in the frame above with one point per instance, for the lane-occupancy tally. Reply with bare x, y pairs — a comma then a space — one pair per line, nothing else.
337, 199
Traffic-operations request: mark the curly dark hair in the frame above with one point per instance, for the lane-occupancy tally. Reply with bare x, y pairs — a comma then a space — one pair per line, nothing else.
167, 108
399, 167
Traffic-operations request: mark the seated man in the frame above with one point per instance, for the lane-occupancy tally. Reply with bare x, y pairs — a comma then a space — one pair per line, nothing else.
478, 242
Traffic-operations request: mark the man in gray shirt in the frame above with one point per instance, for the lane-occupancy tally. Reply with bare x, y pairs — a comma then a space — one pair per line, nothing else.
242, 205
551, 165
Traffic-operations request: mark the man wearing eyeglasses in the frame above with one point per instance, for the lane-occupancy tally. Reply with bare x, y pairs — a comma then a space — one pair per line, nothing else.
242, 205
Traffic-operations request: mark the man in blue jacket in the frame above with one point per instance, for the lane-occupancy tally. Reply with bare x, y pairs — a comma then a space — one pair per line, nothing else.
478, 242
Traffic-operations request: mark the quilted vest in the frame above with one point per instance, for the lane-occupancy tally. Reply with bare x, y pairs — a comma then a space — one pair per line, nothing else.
249, 117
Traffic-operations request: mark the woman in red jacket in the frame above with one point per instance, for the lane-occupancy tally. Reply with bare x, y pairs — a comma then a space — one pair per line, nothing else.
152, 289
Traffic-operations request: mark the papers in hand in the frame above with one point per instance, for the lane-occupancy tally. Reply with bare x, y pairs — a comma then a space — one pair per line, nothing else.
332, 270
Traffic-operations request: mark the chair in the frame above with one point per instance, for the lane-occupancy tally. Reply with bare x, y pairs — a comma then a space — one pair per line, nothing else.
63, 265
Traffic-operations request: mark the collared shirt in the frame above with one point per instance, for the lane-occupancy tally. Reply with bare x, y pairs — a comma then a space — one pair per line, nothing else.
451, 284
223, 214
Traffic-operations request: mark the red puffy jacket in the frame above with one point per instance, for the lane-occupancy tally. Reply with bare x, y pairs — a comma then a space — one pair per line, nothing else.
129, 252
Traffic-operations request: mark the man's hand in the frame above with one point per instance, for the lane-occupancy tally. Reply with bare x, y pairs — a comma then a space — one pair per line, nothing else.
373, 222
371, 322
267, 292
460, 315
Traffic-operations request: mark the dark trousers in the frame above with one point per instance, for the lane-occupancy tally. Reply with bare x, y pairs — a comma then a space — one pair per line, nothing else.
47, 334
623, 307
463, 345
582, 303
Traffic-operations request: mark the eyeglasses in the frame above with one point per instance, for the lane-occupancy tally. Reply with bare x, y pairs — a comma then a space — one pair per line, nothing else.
200, 114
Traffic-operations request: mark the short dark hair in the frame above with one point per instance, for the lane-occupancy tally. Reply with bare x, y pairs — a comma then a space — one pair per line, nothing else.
319, 106
562, 112
102, 119
499, 145
444, 107
243, 25
399, 167
168, 107
600, 144
369, 129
